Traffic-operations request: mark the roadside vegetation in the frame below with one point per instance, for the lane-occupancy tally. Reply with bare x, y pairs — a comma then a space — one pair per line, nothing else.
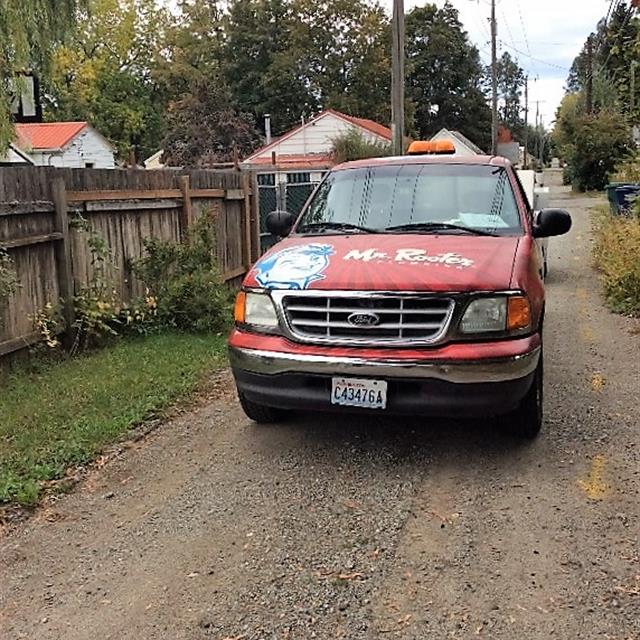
62, 414
593, 130
616, 252
125, 362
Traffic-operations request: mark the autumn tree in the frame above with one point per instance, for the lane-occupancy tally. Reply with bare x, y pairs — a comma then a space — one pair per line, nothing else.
106, 74
28, 30
204, 129
444, 75
193, 50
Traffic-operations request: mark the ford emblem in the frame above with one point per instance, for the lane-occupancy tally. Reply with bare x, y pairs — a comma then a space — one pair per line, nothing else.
363, 319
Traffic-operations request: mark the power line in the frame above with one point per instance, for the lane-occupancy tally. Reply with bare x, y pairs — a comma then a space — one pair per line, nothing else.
524, 53
620, 33
524, 33
506, 24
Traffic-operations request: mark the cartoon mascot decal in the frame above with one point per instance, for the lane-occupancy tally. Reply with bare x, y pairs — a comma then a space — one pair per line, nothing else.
294, 268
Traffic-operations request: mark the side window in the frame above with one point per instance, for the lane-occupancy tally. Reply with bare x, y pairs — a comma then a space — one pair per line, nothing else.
524, 197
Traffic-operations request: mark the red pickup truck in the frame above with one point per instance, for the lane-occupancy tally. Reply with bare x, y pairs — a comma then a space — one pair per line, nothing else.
407, 285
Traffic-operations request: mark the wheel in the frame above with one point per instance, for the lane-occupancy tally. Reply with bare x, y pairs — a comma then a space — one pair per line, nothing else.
526, 420
260, 413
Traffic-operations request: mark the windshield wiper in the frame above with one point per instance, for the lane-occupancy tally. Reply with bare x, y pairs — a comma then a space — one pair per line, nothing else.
335, 226
419, 227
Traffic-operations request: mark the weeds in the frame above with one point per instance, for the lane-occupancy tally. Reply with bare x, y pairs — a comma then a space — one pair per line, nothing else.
617, 256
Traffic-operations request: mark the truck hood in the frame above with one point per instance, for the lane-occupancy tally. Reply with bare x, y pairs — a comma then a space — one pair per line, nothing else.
387, 262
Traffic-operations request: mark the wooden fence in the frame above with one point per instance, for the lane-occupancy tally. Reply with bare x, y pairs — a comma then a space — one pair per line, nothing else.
52, 257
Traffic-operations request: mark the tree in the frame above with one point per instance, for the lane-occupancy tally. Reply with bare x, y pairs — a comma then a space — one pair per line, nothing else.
511, 81
615, 46
346, 47
263, 66
193, 47
105, 75
28, 30
204, 129
599, 142
570, 110
290, 58
444, 75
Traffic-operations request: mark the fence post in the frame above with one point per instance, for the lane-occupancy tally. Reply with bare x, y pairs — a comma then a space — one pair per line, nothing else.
248, 235
64, 264
186, 218
255, 217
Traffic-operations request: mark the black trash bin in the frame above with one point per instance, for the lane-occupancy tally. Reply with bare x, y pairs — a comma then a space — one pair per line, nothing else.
625, 196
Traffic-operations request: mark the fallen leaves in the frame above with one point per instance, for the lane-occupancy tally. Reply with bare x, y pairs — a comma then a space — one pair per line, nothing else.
598, 382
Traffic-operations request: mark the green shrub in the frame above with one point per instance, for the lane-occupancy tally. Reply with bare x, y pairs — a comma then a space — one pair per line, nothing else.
599, 142
628, 170
617, 251
184, 281
354, 146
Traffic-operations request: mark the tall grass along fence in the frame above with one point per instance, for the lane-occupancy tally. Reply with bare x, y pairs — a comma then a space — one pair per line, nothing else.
52, 256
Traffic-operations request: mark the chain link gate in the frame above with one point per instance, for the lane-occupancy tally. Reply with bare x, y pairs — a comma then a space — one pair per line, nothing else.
281, 192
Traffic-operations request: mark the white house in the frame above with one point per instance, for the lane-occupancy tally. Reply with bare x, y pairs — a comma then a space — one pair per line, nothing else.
14, 156
155, 161
290, 167
66, 144
464, 146
308, 146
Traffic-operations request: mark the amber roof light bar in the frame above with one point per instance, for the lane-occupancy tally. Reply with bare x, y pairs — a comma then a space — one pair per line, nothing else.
431, 147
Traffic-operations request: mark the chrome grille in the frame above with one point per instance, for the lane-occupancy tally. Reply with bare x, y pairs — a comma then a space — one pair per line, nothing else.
394, 318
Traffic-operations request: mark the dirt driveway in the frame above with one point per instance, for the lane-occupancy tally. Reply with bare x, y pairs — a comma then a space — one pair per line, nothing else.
342, 528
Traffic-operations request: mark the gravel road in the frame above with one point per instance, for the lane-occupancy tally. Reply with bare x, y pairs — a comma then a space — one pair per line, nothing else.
334, 527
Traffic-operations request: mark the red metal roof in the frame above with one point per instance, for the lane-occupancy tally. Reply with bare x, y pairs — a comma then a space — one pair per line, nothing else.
297, 161
368, 125
364, 123
48, 135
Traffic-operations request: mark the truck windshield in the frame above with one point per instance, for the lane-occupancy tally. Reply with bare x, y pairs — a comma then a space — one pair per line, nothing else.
427, 198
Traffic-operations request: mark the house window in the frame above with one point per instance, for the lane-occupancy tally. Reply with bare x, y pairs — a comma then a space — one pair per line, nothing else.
267, 179
301, 177
89, 165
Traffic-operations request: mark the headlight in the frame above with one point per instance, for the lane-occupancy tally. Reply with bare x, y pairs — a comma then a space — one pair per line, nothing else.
255, 309
485, 315
498, 314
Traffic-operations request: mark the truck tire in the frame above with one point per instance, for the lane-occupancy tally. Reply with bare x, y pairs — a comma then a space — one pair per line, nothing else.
260, 413
526, 421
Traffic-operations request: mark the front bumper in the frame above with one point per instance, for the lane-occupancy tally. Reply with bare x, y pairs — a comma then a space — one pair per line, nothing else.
482, 371
486, 386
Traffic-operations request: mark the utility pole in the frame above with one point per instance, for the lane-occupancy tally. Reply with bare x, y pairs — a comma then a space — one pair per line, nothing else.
397, 78
537, 128
526, 121
589, 87
494, 80
632, 90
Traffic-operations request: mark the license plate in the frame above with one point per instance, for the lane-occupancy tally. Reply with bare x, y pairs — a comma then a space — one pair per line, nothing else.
358, 392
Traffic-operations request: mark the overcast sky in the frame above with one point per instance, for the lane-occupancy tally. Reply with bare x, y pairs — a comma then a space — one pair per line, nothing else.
548, 33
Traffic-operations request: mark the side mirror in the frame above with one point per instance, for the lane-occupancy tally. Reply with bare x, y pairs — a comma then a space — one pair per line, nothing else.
279, 223
551, 222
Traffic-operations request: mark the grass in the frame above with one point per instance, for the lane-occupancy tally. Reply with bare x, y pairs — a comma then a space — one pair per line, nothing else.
65, 414
617, 255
